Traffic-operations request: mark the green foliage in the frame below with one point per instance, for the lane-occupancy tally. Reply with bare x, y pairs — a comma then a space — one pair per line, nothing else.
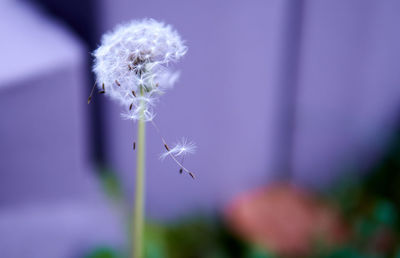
110, 183
255, 252
192, 238
103, 252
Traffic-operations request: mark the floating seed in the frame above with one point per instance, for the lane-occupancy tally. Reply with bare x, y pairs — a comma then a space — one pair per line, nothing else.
91, 93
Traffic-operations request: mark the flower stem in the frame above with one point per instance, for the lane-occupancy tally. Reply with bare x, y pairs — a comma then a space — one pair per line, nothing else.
138, 218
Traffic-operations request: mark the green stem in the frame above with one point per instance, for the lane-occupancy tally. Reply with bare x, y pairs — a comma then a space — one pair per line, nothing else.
138, 218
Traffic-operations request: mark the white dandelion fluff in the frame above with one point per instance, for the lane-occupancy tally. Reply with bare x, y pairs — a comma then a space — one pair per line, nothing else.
133, 60
180, 149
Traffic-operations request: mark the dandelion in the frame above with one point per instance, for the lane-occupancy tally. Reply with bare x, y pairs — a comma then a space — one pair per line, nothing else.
136, 57
132, 66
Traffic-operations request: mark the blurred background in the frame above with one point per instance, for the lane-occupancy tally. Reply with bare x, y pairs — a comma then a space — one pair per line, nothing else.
294, 107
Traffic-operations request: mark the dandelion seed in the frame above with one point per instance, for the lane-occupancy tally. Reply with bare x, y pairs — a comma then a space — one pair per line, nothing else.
181, 148
129, 116
91, 94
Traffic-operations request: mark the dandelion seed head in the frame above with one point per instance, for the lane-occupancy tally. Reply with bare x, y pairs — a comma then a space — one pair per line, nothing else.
137, 56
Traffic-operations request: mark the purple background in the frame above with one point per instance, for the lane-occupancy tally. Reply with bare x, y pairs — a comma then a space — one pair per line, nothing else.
348, 87
51, 203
